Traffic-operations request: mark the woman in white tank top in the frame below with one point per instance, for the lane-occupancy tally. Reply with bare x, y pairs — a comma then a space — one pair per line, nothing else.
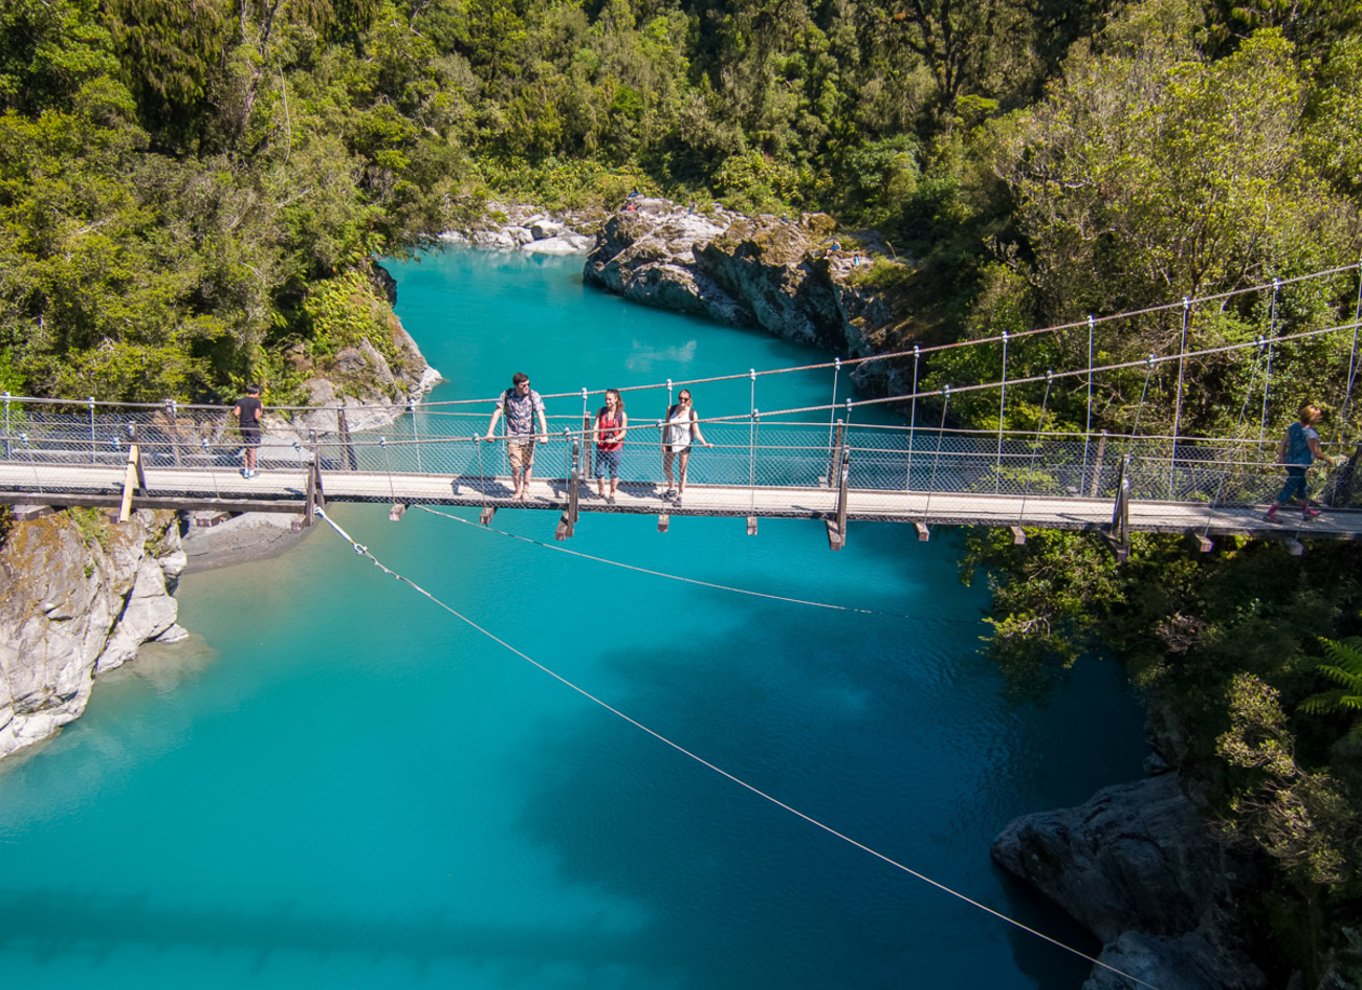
679, 430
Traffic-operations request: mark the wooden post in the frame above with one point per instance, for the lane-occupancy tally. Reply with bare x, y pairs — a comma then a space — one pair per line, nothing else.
132, 478
568, 522
1097, 465
347, 448
1119, 531
835, 457
316, 497
837, 527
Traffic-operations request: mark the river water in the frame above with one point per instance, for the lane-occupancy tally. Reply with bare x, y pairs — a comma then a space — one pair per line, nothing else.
340, 784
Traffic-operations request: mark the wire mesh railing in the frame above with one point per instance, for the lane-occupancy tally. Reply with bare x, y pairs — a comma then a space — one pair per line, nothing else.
747, 454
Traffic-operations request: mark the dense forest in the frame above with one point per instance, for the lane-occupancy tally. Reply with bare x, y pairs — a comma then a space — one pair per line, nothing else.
191, 193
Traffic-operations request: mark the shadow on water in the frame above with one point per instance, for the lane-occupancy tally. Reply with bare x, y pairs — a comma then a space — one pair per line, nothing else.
795, 906
52, 923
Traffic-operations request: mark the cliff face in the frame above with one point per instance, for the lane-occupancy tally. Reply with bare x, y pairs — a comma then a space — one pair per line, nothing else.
78, 595
779, 275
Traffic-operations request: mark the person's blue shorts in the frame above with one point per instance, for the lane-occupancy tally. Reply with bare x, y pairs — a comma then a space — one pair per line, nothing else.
608, 459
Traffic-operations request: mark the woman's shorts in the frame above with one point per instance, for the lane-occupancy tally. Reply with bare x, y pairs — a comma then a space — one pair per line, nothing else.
608, 459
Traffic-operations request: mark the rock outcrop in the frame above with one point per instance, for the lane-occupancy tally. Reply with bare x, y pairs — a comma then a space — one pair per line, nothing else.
528, 230
78, 596
1139, 867
785, 276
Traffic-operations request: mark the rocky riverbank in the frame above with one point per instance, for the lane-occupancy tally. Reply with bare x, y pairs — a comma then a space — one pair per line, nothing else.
81, 594
792, 277
78, 596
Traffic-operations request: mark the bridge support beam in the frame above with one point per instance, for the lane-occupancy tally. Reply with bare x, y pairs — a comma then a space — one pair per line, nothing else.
488, 511
396, 512
316, 497
1018, 536
837, 527
664, 522
751, 525
1203, 542
568, 521
132, 478
923, 533
1118, 534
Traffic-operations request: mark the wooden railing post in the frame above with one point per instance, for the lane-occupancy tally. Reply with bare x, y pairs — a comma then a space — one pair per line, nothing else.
1119, 533
133, 478
568, 521
348, 458
837, 526
1097, 466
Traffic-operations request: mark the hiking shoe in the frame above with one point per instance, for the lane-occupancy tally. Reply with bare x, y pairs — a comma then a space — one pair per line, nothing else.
669, 493
1271, 514
245, 472
610, 500
1309, 513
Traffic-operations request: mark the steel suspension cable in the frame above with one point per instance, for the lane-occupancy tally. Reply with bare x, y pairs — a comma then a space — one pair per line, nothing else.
363, 551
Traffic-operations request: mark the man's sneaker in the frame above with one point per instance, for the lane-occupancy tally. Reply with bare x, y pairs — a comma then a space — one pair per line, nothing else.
245, 472
1309, 513
1271, 513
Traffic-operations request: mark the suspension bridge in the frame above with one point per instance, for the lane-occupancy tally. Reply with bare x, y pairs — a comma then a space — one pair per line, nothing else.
894, 458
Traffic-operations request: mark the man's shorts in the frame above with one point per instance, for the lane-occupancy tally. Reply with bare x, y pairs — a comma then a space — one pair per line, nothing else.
521, 454
251, 438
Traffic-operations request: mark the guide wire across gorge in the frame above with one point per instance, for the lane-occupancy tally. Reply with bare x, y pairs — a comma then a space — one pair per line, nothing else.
363, 551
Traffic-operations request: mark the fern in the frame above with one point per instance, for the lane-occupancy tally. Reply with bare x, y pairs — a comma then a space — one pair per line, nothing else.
1343, 666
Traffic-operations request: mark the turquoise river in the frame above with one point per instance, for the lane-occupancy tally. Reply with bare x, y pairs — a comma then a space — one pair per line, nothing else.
338, 783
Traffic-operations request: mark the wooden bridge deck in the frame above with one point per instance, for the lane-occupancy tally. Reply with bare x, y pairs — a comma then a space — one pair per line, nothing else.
285, 490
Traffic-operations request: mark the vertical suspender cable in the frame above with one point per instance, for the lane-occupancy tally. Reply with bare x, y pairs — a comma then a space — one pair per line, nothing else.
912, 422
1352, 359
1087, 428
940, 433
1002, 415
752, 436
92, 429
1267, 375
832, 406
1035, 449
416, 439
1177, 405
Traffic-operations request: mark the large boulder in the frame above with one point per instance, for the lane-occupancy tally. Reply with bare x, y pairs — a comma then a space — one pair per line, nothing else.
1139, 867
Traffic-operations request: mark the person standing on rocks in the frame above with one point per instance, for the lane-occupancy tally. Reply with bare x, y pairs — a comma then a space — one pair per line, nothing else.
680, 429
611, 424
520, 405
247, 412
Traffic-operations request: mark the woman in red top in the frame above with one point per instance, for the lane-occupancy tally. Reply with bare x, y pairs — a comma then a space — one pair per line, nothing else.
608, 433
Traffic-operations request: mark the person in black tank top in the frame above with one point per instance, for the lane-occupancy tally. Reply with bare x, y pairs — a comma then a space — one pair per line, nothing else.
248, 412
